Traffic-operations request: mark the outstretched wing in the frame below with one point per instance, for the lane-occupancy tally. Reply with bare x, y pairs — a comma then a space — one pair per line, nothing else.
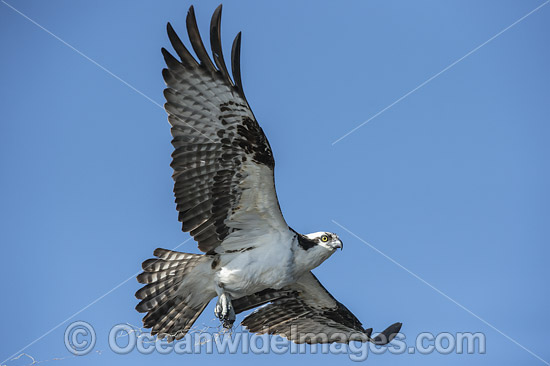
306, 313
223, 164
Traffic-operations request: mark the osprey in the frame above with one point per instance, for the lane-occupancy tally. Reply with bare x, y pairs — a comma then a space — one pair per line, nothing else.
225, 195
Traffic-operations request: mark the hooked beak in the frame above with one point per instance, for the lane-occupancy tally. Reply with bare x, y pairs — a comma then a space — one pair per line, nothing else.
339, 244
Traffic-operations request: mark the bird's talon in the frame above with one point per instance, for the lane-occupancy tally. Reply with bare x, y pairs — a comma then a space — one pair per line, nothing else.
224, 311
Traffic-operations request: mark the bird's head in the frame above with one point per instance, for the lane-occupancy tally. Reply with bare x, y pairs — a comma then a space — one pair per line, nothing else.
329, 241
316, 248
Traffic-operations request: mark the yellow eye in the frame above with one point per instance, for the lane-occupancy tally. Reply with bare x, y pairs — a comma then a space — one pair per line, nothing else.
324, 238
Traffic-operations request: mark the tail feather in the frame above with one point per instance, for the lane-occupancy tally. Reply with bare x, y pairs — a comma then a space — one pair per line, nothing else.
171, 255
158, 299
168, 312
157, 264
153, 289
163, 324
158, 269
177, 321
181, 325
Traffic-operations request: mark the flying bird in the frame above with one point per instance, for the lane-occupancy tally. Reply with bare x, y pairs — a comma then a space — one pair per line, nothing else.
225, 195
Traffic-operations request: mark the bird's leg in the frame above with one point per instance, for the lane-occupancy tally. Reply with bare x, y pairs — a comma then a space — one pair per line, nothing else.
224, 310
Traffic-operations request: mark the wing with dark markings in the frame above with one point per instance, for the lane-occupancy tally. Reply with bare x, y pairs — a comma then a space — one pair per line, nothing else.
307, 313
223, 164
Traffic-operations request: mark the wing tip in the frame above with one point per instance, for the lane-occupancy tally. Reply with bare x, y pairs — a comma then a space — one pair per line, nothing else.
196, 40
213, 64
387, 335
170, 60
236, 63
218, 10
216, 44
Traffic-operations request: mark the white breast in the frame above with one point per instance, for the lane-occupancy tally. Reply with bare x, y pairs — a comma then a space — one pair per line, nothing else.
269, 265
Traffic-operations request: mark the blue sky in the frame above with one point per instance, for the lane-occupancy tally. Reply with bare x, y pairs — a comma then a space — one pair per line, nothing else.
451, 182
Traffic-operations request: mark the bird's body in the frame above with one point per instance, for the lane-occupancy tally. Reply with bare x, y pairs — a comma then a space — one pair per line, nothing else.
244, 273
272, 261
271, 265
226, 198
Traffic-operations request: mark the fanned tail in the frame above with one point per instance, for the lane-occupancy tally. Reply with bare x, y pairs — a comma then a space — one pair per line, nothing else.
170, 313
